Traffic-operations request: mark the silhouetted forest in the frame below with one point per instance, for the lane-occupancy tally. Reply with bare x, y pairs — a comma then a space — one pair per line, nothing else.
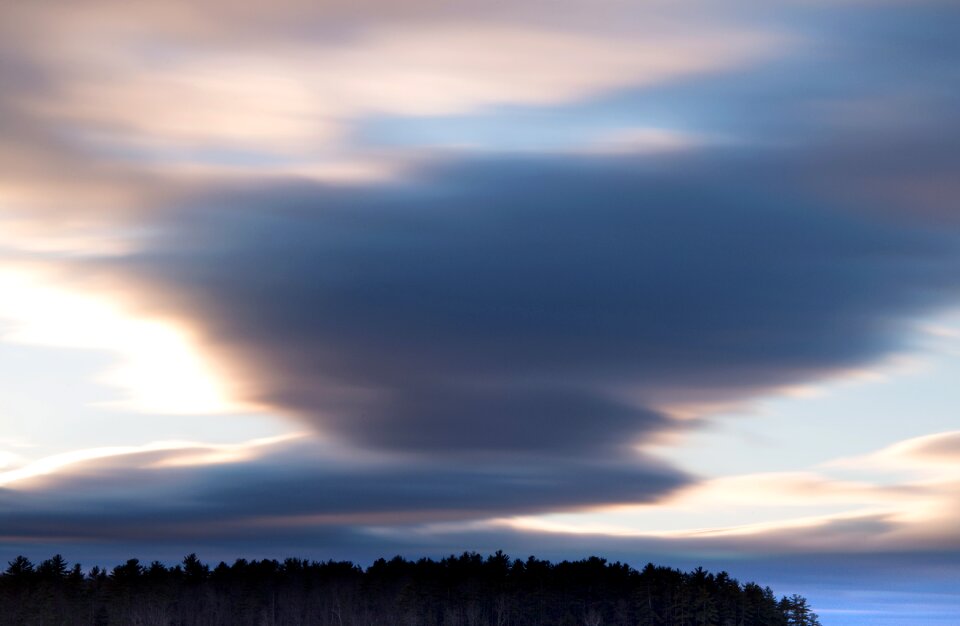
466, 590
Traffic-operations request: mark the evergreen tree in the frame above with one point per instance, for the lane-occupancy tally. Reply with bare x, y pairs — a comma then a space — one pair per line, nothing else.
464, 590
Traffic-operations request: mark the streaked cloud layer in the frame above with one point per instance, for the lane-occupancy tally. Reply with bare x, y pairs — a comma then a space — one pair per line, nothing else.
354, 278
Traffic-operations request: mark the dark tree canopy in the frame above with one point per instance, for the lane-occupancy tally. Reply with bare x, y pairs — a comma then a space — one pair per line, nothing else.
465, 590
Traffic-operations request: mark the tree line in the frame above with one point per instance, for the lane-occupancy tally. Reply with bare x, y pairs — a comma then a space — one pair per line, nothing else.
465, 590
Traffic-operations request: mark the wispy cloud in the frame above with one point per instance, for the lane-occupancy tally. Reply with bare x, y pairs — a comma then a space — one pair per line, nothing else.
177, 454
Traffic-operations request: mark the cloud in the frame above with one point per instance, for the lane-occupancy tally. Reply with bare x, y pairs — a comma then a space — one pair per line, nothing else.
149, 90
181, 453
120, 108
178, 490
935, 456
485, 301
941, 446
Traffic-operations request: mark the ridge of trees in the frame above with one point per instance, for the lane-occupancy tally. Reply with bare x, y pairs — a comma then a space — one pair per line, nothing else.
465, 590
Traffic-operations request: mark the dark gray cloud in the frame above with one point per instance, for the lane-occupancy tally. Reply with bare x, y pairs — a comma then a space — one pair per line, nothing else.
131, 499
543, 304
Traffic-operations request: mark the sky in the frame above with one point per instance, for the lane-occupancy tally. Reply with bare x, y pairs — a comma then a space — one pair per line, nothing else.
663, 281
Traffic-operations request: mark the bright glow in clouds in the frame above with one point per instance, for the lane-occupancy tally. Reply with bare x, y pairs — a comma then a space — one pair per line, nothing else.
160, 370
